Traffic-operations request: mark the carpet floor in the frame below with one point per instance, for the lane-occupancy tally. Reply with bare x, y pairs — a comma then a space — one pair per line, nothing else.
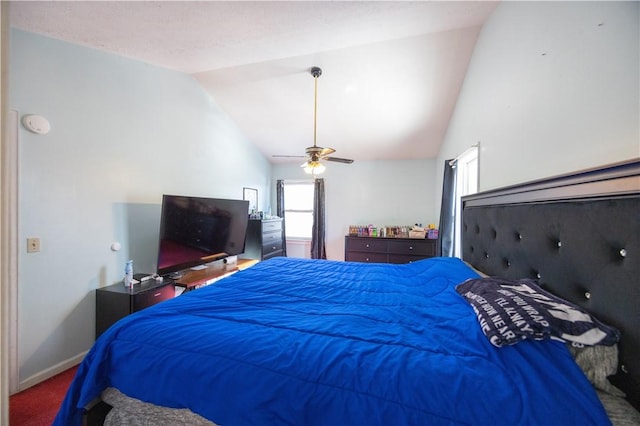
38, 405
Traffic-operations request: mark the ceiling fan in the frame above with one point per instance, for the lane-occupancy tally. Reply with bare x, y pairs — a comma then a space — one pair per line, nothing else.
315, 153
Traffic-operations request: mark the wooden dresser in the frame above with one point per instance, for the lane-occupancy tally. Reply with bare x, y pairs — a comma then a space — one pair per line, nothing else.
264, 239
387, 250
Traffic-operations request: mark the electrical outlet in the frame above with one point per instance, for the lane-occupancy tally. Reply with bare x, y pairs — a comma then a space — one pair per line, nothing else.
33, 245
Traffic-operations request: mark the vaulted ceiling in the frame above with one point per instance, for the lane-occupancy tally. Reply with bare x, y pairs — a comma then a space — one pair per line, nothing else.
392, 71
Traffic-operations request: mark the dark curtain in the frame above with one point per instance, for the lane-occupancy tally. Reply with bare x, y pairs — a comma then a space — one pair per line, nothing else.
317, 231
280, 211
446, 228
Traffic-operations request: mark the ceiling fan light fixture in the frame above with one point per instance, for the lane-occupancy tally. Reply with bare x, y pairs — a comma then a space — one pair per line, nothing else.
314, 167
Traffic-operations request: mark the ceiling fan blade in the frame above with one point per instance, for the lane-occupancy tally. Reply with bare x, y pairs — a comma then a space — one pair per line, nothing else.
339, 160
326, 151
289, 156
319, 151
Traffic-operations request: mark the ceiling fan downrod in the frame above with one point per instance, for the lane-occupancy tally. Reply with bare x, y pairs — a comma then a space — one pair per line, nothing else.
315, 72
316, 154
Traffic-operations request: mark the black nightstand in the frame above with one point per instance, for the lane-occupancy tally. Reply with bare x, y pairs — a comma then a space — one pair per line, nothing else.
115, 301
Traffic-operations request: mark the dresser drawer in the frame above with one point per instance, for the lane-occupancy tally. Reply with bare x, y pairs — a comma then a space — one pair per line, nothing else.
405, 258
271, 247
359, 256
271, 237
153, 296
416, 247
273, 254
367, 244
271, 225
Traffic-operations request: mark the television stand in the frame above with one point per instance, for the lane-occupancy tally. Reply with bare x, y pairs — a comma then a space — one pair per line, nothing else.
193, 279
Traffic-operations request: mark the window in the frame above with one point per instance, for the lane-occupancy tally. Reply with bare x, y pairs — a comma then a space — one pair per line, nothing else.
298, 209
466, 184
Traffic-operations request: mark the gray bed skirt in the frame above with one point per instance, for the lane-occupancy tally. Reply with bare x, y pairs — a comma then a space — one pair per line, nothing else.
128, 411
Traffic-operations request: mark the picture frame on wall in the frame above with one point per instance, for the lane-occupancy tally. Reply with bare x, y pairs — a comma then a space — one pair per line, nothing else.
251, 195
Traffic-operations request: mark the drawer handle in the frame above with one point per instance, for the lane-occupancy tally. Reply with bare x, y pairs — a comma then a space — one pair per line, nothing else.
410, 247
367, 245
367, 259
157, 294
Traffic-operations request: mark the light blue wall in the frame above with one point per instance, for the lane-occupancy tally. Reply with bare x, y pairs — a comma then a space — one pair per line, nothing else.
552, 88
382, 193
122, 133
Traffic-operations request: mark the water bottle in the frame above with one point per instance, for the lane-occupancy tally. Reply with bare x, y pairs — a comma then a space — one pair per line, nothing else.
128, 274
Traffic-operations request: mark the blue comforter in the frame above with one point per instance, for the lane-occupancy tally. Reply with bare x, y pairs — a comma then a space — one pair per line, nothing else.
316, 342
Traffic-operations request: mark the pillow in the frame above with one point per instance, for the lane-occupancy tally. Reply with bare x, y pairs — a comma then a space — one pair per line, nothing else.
597, 363
510, 311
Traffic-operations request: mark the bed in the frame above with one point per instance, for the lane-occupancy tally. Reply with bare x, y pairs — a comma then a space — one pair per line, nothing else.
318, 342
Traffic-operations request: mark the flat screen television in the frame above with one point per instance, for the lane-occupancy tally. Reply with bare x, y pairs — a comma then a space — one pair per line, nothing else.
195, 231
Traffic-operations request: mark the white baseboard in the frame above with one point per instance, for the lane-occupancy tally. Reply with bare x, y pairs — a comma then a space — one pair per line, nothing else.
50, 372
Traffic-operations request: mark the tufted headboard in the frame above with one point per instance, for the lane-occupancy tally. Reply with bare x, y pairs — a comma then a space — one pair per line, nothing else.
579, 236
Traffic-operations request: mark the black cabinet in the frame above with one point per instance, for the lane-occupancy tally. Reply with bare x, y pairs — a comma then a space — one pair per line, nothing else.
264, 239
116, 301
387, 250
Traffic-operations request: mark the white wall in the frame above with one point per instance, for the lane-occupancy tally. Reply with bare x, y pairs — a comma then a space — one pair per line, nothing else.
376, 192
122, 134
299, 248
552, 87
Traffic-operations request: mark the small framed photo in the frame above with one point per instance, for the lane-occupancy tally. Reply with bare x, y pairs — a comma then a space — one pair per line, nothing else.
251, 195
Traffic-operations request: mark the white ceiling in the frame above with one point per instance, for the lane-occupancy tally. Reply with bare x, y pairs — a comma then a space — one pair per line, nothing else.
392, 71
